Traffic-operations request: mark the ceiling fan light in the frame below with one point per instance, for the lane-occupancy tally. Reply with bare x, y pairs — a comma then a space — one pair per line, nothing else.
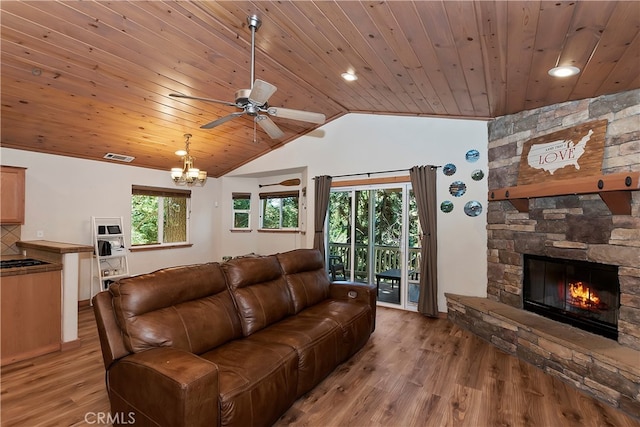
564, 71
349, 76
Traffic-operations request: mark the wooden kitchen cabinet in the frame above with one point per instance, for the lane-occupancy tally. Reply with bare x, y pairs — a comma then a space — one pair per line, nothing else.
30, 315
12, 195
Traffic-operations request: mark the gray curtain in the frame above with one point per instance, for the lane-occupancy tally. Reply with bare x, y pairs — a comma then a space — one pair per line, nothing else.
423, 180
323, 188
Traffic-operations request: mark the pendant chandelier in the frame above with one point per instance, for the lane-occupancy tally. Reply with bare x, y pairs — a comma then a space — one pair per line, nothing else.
187, 174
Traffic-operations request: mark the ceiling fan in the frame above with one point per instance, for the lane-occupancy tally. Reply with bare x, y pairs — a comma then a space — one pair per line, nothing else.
253, 102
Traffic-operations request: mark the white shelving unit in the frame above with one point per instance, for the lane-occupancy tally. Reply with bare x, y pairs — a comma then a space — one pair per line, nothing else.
110, 252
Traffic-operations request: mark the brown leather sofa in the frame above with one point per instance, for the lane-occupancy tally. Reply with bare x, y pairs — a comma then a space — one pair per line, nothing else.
227, 344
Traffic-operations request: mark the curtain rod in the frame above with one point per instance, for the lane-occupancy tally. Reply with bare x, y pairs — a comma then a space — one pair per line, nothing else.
379, 172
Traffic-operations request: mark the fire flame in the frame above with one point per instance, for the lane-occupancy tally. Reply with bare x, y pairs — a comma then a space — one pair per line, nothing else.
583, 296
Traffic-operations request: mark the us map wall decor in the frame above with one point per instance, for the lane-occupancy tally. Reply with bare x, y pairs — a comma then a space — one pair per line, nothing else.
569, 153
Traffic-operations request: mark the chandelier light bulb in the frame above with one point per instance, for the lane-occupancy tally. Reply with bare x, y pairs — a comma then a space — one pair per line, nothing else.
176, 173
193, 173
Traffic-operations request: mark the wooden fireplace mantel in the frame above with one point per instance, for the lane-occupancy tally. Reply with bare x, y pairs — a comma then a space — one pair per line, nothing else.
614, 189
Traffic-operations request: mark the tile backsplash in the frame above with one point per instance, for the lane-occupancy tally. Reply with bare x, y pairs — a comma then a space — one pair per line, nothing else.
10, 235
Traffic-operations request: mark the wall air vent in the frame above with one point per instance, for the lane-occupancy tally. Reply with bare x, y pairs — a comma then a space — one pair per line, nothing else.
118, 157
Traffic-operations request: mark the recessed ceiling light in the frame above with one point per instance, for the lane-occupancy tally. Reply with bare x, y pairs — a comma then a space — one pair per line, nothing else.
349, 76
564, 71
181, 153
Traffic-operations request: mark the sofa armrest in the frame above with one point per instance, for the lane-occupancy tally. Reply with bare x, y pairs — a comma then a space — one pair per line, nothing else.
165, 386
361, 292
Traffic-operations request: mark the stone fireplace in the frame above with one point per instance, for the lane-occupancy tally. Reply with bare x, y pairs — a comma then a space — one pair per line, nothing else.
567, 227
580, 228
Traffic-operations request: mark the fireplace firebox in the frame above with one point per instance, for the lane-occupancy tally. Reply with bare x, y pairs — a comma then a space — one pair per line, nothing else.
580, 293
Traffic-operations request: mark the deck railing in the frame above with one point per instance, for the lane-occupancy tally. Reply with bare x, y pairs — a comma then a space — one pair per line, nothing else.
384, 258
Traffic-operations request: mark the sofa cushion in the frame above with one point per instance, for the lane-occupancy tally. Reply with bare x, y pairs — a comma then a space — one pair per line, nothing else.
306, 277
259, 291
187, 307
257, 381
355, 320
317, 342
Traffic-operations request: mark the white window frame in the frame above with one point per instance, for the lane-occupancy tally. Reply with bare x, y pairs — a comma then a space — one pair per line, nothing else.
279, 195
161, 193
234, 211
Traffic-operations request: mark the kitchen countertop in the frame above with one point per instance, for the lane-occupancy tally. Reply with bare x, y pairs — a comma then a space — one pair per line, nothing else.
56, 247
44, 250
5, 272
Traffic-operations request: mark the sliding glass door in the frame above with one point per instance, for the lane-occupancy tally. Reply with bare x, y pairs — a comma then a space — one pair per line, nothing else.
373, 231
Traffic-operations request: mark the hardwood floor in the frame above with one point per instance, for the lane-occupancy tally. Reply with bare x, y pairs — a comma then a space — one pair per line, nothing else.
417, 371
57, 389
414, 371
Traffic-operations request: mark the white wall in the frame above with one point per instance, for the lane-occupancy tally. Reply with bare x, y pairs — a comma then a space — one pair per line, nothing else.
358, 143
62, 193
234, 243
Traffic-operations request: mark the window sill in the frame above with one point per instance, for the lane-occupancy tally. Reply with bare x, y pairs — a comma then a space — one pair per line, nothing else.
240, 230
158, 247
280, 230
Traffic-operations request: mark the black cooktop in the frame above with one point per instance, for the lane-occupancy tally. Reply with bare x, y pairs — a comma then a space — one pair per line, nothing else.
27, 262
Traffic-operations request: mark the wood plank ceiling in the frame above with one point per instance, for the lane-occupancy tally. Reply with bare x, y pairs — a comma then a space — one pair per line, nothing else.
83, 78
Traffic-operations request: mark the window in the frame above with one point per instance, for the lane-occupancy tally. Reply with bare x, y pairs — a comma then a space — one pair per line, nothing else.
159, 216
374, 230
279, 210
241, 210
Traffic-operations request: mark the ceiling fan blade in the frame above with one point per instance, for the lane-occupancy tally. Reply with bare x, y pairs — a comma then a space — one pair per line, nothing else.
305, 116
179, 95
261, 91
269, 127
221, 120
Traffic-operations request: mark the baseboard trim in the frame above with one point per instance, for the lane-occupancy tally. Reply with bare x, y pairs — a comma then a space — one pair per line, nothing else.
70, 345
